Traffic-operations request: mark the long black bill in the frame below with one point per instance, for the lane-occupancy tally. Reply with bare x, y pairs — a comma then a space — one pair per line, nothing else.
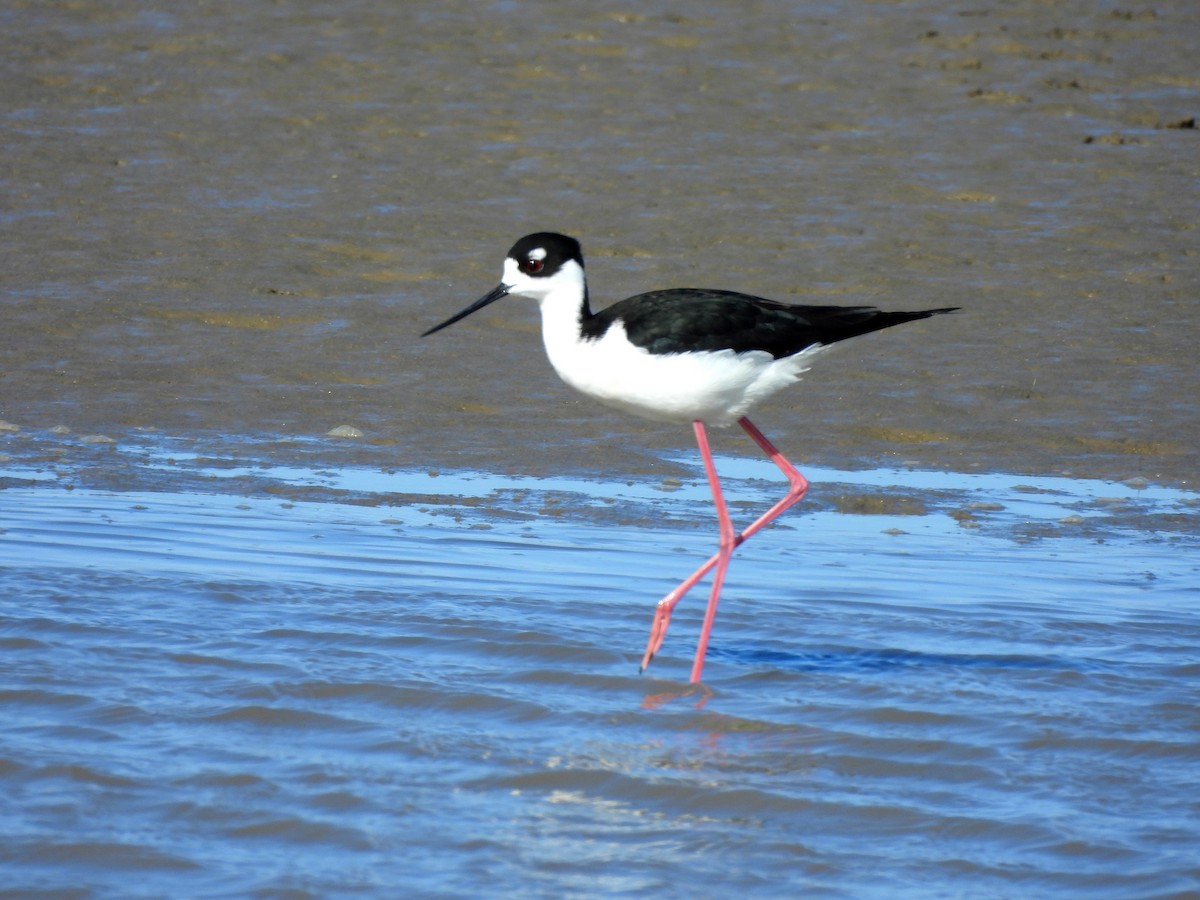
492, 296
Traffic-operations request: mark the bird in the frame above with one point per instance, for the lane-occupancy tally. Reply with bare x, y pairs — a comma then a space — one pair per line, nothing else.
680, 355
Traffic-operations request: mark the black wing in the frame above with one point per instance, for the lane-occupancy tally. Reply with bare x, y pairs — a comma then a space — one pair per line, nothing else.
683, 319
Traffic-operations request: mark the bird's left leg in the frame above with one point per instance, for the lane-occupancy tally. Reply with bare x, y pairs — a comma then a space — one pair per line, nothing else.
797, 483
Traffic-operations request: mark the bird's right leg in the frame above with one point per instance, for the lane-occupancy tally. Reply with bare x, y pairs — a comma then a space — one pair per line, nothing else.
728, 542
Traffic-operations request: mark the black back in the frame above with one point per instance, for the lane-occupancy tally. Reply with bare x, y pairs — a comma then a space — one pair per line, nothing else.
682, 319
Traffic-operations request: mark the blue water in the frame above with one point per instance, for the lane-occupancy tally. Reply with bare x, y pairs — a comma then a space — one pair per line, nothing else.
431, 688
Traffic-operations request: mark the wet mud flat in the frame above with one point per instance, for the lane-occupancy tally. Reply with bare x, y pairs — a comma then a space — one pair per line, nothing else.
238, 218
340, 470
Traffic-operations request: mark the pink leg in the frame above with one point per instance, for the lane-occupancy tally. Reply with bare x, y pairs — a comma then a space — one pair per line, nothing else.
724, 554
798, 485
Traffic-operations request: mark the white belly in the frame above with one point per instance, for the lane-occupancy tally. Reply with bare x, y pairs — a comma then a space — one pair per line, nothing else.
718, 388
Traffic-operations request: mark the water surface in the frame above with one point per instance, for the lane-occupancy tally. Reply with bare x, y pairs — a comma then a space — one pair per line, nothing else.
429, 683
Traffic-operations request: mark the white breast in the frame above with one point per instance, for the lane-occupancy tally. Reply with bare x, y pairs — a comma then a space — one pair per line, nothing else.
716, 387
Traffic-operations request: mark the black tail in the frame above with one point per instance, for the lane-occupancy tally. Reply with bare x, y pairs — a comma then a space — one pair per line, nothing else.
830, 324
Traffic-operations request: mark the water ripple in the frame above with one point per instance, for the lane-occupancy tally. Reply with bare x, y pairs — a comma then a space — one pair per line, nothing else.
221, 680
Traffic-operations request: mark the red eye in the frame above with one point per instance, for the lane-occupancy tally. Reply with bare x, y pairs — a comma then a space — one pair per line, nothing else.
533, 266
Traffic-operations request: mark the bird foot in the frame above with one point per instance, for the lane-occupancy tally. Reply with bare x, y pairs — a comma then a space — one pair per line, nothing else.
658, 631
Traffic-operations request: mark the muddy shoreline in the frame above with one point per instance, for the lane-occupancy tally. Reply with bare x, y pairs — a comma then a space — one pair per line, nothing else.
218, 233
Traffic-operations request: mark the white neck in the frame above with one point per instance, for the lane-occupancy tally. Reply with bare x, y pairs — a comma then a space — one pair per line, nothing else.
562, 305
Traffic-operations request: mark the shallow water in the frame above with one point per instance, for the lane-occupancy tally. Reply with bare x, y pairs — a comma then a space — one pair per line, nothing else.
429, 683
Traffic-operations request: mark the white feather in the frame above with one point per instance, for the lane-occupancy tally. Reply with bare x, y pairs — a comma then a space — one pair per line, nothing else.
716, 387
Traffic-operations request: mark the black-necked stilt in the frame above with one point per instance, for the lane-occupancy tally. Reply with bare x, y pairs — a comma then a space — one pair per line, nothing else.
680, 355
